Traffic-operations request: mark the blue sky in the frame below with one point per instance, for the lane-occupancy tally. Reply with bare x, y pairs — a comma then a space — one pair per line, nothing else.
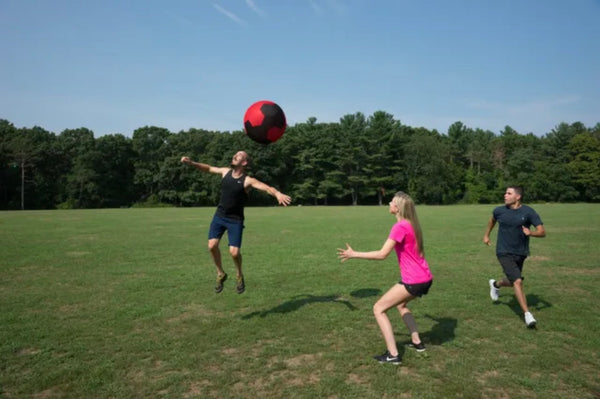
115, 65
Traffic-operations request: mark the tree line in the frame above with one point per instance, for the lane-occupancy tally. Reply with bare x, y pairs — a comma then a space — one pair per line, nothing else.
359, 160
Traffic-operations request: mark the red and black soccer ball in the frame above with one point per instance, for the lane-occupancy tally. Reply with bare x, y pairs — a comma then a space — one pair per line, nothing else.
264, 122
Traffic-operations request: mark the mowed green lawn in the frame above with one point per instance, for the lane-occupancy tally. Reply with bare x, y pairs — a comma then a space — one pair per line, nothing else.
120, 304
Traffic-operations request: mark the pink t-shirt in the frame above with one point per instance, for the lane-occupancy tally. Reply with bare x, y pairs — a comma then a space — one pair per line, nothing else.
413, 267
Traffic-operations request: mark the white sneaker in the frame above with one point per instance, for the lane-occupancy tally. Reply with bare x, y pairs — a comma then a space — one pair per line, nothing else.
529, 320
494, 291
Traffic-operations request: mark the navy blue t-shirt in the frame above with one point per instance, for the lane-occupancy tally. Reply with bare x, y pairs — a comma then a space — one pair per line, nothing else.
511, 239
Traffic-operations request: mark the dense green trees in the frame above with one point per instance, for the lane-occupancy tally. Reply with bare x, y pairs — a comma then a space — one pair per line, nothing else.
359, 160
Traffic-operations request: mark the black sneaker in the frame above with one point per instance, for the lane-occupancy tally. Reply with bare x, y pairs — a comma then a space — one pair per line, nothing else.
387, 358
420, 347
220, 281
241, 286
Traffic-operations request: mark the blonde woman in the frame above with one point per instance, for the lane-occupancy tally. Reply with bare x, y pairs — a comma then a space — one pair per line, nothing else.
415, 277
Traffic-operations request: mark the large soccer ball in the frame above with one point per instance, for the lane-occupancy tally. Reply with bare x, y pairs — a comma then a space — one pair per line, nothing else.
264, 122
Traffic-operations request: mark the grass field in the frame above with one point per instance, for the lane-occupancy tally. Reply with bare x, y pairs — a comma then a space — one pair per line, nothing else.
120, 304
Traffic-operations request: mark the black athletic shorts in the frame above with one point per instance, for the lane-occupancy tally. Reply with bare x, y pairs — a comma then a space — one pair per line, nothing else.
512, 266
417, 289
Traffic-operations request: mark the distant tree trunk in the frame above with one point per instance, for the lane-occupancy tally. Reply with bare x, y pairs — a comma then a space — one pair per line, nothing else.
380, 195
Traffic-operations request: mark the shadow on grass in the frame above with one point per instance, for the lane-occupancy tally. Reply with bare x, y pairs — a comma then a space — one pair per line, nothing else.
534, 302
442, 331
297, 302
365, 292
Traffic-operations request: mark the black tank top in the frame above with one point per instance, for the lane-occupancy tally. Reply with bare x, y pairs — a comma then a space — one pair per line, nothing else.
233, 197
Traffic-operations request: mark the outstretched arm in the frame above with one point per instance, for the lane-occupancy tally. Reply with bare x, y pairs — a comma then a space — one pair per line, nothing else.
486, 236
349, 253
282, 198
205, 167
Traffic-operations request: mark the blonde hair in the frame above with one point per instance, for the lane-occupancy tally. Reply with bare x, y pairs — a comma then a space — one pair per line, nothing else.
407, 210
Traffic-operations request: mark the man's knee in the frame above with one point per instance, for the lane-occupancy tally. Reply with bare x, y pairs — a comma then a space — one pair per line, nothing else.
213, 245
518, 284
234, 252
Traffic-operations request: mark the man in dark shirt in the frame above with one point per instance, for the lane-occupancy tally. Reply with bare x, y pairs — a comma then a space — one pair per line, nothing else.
512, 247
235, 186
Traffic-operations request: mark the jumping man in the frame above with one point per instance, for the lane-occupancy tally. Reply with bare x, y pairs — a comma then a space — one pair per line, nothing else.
235, 186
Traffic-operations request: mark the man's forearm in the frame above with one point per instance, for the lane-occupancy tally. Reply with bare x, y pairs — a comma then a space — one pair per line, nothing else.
272, 191
199, 165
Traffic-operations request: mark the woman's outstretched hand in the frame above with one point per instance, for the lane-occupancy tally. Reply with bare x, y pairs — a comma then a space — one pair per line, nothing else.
345, 254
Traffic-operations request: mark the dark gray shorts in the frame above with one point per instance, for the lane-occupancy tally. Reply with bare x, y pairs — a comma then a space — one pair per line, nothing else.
512, 266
